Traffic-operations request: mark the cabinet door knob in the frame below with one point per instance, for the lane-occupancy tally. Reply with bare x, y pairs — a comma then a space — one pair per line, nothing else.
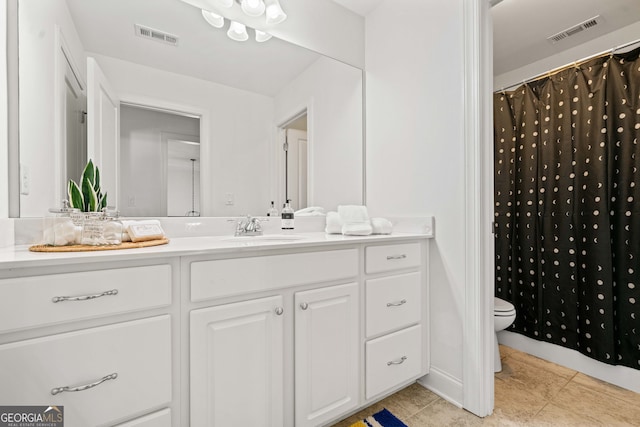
279, 311
304, 306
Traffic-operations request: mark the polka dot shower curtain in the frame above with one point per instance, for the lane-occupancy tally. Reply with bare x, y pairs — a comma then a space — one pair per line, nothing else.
566, 207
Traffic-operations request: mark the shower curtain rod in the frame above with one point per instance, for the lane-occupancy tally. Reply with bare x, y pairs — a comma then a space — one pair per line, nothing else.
572, 64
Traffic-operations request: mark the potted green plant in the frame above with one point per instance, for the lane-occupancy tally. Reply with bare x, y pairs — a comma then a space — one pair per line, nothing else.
87, 196
89, 199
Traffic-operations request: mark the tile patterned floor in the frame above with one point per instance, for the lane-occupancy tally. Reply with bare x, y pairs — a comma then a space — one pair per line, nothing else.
528, 392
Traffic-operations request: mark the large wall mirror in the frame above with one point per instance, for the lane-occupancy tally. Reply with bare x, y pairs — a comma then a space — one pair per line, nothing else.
181, 119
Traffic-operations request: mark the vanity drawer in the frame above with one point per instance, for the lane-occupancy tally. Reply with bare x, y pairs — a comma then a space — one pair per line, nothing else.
392, 360
393, 302
27, 302
219, 278
138, 352
392, 257
157, 419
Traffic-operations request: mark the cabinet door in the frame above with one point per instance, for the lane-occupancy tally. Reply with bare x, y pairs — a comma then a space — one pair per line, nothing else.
326, 353
237, 364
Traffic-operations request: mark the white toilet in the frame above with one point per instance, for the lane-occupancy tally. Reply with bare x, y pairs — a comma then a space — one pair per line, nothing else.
504, 313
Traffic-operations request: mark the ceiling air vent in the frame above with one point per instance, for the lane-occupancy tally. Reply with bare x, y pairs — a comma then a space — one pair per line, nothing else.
161, 36
589, 23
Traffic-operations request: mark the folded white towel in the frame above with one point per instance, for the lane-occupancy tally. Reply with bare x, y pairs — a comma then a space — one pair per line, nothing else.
311, 211
334, 223
381, 226
353, 214
355, 220
357, 229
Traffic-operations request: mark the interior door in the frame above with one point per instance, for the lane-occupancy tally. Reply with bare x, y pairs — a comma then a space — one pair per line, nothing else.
103, 134
297, 168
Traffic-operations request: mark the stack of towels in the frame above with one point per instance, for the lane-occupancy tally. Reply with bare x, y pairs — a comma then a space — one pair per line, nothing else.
353, 220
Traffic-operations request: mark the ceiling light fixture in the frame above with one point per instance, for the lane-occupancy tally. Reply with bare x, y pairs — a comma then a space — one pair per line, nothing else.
261, 36
213, 18
253, 8
237, 32
275, 14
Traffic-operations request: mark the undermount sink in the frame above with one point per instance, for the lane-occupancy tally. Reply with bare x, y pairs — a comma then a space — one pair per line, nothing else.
265, 237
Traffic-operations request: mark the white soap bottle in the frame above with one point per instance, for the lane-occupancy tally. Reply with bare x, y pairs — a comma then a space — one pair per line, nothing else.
287, 219
272, 210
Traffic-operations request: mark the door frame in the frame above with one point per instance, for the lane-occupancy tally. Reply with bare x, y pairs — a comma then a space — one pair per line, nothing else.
150, 103
277, 160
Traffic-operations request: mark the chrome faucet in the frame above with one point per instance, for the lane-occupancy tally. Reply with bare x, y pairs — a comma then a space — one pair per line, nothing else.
249, 226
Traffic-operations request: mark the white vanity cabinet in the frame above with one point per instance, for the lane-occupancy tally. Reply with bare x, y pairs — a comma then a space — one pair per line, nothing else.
237, 364
326, 353
396, 316
238, 350
97, 342
299, 334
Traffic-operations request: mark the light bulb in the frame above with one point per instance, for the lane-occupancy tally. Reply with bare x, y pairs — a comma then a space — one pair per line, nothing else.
253, 7
261, 36
213, 18
275, 14
237, 32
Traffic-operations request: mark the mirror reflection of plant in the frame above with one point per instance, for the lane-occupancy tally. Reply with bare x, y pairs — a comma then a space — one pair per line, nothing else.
87, 196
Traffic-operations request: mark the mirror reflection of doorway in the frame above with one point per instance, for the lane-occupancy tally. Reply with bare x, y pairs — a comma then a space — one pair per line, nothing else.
158, 177
75, 111
296, 161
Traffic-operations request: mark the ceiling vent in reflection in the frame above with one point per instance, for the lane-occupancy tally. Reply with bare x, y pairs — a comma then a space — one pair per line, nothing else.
157, 35
589, 23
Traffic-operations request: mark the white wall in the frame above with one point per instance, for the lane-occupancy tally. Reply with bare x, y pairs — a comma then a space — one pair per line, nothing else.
235, 142
334, 92
4, 141
601, 44
39, 79
415, 152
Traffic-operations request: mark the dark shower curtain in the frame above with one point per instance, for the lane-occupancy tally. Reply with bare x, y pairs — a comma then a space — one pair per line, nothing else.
567, 207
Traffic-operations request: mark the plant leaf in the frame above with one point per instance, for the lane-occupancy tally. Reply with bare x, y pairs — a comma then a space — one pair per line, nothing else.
91, 198
103, 201
96, 182
89, 173
75, 195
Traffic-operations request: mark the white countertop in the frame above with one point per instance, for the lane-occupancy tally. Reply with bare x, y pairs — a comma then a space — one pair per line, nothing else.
20, 256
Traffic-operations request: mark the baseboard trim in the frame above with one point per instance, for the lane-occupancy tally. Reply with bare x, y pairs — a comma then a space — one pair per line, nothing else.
619, 375
444, 385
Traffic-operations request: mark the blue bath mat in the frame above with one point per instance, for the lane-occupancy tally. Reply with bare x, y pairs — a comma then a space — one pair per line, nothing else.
383, 418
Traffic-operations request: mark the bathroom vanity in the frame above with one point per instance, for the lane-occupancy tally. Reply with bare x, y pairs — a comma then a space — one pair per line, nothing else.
215, 331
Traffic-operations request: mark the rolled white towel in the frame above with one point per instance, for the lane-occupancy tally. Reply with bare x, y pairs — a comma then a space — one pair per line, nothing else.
381, 226
334, 223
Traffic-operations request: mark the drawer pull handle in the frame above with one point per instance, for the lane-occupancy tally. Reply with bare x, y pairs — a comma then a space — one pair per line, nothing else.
390, 257
396, 304
304, 306
279, 311
397, 362
85, 297
59, 390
